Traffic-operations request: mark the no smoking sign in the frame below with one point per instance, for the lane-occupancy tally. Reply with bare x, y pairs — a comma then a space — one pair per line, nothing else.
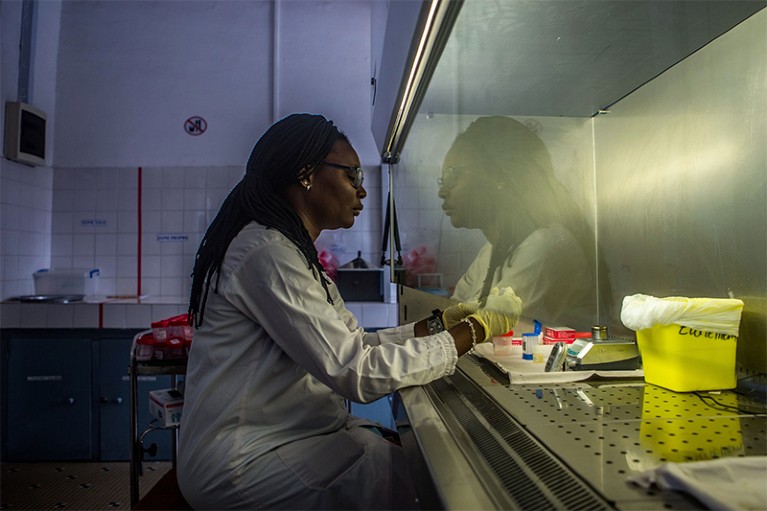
195, 126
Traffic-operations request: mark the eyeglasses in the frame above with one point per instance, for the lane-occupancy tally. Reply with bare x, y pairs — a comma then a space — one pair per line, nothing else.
357, 176
450, 177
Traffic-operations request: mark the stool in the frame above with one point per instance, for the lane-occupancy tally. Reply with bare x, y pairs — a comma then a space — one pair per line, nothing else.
165, 495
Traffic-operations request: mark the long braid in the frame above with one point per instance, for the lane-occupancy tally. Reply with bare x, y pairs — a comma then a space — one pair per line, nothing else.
289, 147
498, 255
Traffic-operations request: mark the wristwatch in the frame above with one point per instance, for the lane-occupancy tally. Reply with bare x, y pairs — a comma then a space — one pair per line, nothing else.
434, 323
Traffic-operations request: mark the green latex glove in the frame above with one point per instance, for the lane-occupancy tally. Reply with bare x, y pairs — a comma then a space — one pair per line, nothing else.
500, 313
455, 313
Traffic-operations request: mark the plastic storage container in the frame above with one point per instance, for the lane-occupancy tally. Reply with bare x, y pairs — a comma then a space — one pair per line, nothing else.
145, 347
66, 281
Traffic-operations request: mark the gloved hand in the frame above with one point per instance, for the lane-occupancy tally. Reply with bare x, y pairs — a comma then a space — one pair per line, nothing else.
455, 313
500, 313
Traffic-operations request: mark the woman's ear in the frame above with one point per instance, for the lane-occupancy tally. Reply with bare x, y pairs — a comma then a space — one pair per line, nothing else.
305, 177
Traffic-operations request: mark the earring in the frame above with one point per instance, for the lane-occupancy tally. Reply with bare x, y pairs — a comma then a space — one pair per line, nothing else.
306, 184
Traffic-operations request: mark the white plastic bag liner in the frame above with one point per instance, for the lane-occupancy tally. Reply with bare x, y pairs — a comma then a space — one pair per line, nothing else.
719, 315
725, 483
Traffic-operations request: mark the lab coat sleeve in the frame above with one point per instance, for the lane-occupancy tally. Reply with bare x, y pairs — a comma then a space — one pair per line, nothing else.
272, 285
397, 334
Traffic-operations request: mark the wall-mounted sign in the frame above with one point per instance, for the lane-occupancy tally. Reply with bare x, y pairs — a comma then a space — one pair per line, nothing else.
195, 126
93, 222
172, 237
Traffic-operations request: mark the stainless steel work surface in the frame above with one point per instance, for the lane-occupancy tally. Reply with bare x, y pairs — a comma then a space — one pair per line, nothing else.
588, 438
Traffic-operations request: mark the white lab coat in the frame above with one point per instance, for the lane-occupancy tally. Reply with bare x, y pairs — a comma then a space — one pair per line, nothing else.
264, 422
548, 271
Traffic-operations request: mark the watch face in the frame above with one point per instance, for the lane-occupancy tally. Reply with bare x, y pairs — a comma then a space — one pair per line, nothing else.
434, 325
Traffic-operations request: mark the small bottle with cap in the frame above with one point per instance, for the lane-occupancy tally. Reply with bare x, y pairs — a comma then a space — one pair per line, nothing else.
599, 332
530, 340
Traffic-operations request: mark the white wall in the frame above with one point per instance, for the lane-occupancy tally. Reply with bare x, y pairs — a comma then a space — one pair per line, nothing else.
123, 77
131, 73
26, 192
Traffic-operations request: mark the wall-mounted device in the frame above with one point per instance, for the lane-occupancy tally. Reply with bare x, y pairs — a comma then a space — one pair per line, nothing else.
25, 133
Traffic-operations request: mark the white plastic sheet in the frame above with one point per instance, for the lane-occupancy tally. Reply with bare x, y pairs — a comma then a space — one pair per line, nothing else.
735, 484
720, 315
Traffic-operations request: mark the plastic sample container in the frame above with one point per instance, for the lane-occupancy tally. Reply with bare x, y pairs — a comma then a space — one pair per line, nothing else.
506, 345
684, 359
145, 347
180, 327
529, 341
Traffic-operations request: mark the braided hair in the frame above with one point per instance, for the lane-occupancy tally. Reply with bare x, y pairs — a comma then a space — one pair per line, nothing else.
285, 153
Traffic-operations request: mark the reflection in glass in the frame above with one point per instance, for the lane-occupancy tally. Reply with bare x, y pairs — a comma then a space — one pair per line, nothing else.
497, 177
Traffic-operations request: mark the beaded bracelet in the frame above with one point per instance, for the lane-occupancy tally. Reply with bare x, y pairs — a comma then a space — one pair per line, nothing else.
473, 332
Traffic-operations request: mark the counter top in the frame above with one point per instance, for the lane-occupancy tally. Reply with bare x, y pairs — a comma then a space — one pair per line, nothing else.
139, 312
531, 446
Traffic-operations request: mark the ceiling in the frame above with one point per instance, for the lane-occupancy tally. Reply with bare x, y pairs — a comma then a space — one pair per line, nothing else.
568, 57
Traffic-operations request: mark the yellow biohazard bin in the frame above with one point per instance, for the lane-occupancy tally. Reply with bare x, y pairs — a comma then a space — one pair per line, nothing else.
684, 358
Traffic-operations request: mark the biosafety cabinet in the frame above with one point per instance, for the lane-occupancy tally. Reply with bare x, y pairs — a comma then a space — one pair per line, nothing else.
616, 148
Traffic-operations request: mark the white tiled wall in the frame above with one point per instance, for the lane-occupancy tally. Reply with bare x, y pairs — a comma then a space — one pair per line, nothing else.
89, 218
25, 225
96, 224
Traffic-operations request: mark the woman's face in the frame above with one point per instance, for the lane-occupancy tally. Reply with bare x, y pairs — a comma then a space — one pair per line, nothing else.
463, 187
333, 202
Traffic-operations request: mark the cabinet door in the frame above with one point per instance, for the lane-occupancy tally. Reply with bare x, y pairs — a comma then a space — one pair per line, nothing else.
114, 404
49, 399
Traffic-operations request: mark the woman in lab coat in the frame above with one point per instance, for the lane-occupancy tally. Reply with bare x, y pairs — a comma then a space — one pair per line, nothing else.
276, 352
498, 177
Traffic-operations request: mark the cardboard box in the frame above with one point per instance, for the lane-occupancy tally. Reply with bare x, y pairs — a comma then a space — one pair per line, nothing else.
553, 340
166, 406
559, 332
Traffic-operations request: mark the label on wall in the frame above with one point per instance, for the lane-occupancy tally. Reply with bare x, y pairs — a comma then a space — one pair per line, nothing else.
172, 237
93, 222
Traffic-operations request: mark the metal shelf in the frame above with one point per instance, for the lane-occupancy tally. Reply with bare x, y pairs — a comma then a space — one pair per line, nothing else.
174, 368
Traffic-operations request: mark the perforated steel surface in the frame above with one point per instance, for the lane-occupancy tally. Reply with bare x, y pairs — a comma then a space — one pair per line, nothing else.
608, 431
531, 477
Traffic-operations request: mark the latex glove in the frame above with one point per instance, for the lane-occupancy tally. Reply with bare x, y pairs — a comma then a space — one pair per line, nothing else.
455, 313
500, 313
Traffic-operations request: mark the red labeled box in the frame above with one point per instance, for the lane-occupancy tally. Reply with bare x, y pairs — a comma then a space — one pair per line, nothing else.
559, 332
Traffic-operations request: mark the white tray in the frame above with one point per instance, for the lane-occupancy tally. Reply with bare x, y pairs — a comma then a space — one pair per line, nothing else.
526, 371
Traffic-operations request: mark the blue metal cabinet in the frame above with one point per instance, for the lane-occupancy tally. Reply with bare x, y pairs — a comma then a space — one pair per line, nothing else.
48, 394
114, 403
66, 396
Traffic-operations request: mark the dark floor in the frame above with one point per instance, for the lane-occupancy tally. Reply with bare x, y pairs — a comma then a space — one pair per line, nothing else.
73, 485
